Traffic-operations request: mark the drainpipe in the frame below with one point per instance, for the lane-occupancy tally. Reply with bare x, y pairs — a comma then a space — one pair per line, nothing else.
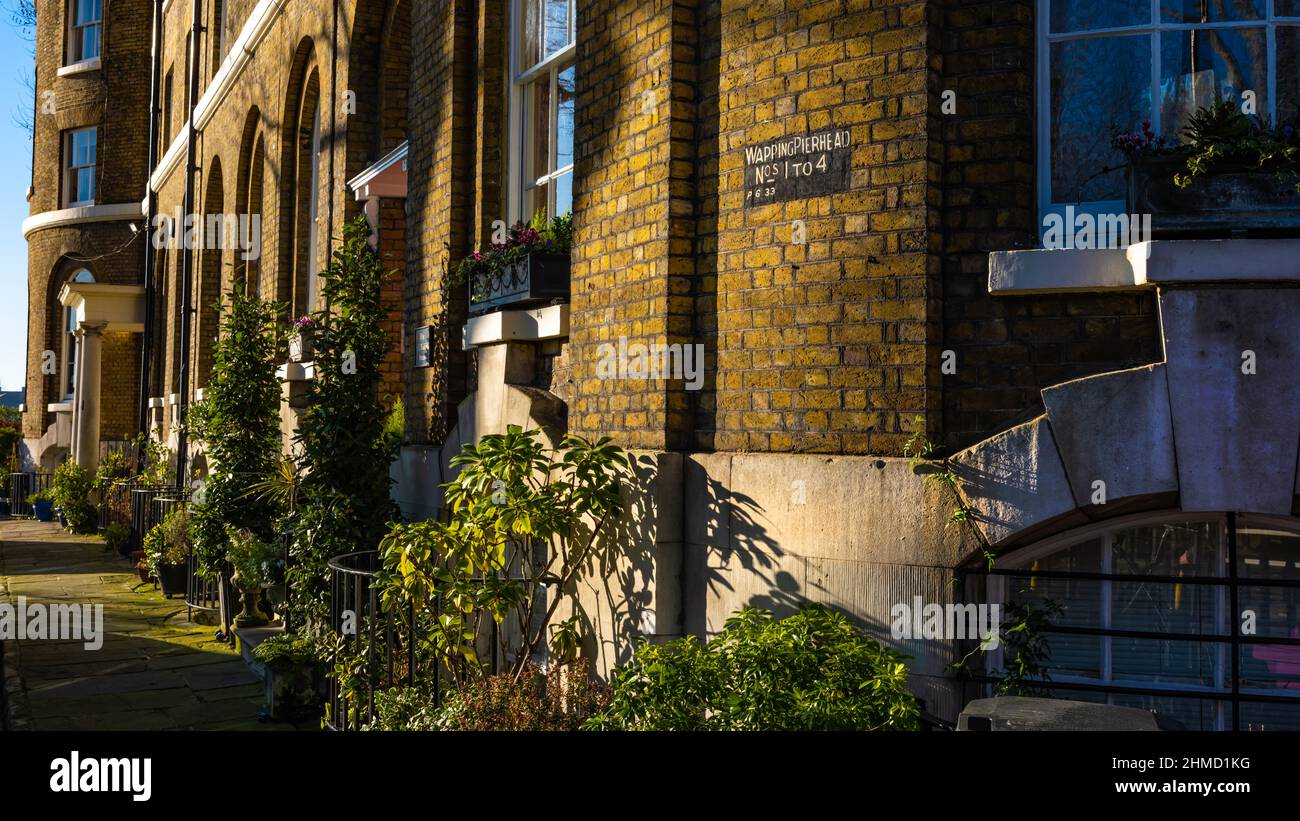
187, 254
150, 255
334, 130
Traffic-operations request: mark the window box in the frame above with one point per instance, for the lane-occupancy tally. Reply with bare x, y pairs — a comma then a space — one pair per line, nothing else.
537, 278
1229, 201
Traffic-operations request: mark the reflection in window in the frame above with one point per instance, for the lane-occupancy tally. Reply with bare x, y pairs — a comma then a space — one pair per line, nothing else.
84, 18
1146, 617
544, 130
1114, 64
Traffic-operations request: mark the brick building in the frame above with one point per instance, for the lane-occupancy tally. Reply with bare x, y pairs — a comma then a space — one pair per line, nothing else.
840, 202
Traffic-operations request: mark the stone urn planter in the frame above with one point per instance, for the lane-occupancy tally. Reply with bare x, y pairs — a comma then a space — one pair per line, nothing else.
302, 347
1230, 201
251, 598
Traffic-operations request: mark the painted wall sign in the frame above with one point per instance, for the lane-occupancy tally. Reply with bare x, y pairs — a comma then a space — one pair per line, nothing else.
422, 347
794, 168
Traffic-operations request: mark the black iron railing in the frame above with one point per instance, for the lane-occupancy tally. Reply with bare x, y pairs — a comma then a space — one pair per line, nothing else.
383, 639
23, 485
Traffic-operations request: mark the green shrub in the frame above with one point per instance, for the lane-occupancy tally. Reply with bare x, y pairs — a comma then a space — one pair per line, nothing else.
73, 485
168, 542
558, 700
241, 427
115, 535
286, 653
46, 495
115, 465
810, 671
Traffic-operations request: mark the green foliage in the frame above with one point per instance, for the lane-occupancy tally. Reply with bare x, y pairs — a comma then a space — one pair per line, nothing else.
1221, 134
241, 426
924, 461
1025, 647
158, 467
524, 521
168, 542
553, 236
46, 495
560, 699
344, 494
73, 485
114, 466
809, 671
253, 559
11, 434
395, 426
115, 535
286, 653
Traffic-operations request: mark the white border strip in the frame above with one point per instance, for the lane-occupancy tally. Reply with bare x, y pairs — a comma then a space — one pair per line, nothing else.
80, 216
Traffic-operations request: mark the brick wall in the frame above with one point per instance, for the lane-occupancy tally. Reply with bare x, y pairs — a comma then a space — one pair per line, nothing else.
1009, 348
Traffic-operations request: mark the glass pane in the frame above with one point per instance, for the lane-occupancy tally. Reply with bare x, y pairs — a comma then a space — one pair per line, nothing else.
556, 25
1080, 15
1286, 8
564, 194
1257, 716
1168, 608
1088, 105
87, 12
530, 52
90, 43
565, 90
1266, 552
1175, 549
1271, 611
1192, 713
535, 199
1288, 73
1199, 64
539, 111
1199, 11
1167, 661
86, 184
1269, 667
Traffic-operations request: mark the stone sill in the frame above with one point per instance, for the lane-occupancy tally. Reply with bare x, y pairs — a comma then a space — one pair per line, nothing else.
82, 67
296, 372
551, 322
1144, 265
59, 407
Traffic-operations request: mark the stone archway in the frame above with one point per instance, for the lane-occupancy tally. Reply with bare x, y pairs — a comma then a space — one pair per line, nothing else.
1214, 427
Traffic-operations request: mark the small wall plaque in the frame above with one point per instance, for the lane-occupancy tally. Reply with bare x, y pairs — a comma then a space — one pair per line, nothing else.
798, 167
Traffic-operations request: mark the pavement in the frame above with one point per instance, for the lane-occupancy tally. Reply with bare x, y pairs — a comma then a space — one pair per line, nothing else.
155, 670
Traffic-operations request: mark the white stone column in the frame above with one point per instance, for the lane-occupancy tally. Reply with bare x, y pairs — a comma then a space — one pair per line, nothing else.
85, 419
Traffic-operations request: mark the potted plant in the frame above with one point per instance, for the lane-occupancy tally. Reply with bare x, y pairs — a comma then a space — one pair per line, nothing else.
73, 486
252, 560
42, 503
167, 550
301, 341
1230, 174
529, 266
294, 683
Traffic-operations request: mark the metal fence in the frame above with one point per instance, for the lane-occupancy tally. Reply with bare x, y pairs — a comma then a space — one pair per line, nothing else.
23, 485
383, 639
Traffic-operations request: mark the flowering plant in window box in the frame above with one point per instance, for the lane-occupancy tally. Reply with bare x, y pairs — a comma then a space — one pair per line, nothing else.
1231, 174
529, 266
301, 347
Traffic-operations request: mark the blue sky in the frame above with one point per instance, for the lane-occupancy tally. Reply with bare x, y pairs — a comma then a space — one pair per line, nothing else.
15, 176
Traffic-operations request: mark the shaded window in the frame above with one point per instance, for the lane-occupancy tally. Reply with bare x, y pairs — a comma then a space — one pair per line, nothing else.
543, 122
79, 167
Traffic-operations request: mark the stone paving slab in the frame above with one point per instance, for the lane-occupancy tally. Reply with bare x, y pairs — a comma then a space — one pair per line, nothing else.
155, 670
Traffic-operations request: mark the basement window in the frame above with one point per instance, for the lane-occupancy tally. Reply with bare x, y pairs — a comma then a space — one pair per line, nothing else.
85, 18
542, 107
1195, 616
1108, 65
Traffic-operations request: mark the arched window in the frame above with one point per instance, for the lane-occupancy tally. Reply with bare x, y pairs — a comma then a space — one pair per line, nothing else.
69, 369
1194, 616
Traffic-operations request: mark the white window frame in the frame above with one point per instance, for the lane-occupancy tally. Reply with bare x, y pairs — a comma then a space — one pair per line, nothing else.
1045, 38
71, 170
74, 32
521, 126
313, 230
